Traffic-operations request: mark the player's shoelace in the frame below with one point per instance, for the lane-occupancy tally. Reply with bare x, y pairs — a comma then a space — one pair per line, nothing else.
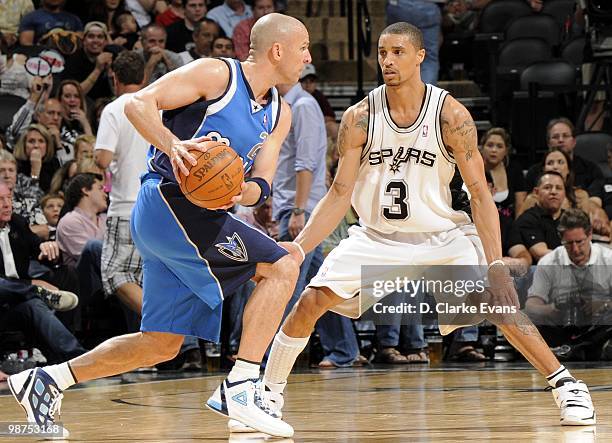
263, 401
55, 407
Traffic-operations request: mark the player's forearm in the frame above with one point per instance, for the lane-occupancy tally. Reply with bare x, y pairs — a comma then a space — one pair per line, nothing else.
486, 219
324, 219
303, 183
143, 113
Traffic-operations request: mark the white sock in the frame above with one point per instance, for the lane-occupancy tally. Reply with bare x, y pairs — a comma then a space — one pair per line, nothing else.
243, 370
560, 374
61, 374
285, 351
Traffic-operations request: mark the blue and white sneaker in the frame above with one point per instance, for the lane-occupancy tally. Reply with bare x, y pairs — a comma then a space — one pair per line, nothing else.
40, 398
276, 402
246, 401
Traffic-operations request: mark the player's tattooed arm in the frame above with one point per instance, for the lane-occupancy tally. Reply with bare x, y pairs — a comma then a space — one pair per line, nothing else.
353, 127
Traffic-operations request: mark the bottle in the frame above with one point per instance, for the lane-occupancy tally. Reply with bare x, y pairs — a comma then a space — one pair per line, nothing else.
213, 356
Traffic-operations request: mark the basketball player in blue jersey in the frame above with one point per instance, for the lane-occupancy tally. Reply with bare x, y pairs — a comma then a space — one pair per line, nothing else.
192, 257
398, 151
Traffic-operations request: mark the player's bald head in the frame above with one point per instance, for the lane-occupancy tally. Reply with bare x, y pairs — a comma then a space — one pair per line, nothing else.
275, 28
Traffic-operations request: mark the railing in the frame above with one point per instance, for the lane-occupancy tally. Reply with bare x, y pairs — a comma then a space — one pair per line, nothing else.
364, 39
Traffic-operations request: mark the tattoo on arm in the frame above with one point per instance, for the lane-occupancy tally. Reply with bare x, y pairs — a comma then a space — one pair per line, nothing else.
362, 123
342, 135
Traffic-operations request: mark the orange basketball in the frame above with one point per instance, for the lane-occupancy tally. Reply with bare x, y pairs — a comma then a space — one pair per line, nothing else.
215, 178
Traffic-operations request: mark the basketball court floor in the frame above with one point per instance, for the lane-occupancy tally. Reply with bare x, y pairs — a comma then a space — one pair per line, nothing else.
499, 402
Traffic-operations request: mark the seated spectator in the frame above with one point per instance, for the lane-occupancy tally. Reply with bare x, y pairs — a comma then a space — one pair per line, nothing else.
35, 155
158, 60
180, 34
534, 233
106, 11
11, 14
222, 47
308, 79
560, 134
40, 88
88, 165
242, 31
83, 147
229, 14
51, 15
88, 65
85, 200
571, 292
127, 31
26, 192
74, 115
172, 14
505, 219
204, 33
62, 177
51, 205
507, 177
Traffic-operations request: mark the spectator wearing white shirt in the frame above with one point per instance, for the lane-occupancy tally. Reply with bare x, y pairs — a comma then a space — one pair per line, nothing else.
229, 14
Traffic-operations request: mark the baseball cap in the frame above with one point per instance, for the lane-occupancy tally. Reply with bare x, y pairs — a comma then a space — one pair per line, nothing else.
309, 69
99, 25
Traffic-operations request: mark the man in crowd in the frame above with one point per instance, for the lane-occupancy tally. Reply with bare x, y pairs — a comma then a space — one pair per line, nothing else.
51, 15
89, 64
181, 33
204, 32
229, 14
223, 47
309, 83
570, 297
534, 234
158, 60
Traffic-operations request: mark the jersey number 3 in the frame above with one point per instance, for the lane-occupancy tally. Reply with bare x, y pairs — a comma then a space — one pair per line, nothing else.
399, 208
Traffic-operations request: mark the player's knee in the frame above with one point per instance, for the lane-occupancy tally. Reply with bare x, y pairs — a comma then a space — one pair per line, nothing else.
287, 268
312, 304
162, 346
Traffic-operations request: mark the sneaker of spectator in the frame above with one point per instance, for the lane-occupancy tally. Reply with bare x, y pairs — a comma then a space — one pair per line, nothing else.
58, 300
38, 357
193, 360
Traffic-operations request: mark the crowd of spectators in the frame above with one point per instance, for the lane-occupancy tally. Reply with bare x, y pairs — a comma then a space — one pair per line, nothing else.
67, 147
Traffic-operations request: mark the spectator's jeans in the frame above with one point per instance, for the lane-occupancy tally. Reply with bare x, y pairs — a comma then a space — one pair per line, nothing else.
412, 333
426, 16
336, 332
89, 270
22, 309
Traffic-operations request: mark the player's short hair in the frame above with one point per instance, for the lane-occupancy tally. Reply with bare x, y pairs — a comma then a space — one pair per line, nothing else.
128, 67
573, 218
412, 32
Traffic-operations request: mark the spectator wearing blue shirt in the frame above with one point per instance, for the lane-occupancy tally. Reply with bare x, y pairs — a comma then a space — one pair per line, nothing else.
298, 186
229, 14
50, 16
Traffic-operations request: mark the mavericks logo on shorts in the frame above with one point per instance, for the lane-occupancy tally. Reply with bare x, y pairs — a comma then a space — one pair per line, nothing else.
234, 248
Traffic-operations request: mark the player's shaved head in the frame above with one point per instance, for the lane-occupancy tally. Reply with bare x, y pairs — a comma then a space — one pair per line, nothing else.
275, 28
413, 33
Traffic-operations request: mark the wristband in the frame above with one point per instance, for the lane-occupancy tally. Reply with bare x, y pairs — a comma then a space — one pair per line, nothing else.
265, 190
299, 246
496, 262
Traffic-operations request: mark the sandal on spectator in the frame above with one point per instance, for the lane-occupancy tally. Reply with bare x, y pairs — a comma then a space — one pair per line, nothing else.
469, 354
417, 356
391, 356
360, 361
326, 364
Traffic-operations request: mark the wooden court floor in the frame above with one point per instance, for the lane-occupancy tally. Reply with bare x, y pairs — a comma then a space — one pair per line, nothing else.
411, 404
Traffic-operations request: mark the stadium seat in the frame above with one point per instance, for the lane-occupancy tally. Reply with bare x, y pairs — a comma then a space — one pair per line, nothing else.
549, 73
9, 104
535, 26
593, 146
497, 14
573, 51
561, 10
514, 56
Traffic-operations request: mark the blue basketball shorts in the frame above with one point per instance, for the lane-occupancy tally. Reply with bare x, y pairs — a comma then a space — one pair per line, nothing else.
192, 258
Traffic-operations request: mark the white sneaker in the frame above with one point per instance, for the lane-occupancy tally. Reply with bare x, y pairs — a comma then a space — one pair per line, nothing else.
40, 398
276, 401
576, 405
246, 402
58, 300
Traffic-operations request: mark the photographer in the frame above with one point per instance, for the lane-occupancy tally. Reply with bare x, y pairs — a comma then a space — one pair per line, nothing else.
571, 292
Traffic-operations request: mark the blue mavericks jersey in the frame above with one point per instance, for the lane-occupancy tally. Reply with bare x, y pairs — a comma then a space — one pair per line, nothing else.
235, 119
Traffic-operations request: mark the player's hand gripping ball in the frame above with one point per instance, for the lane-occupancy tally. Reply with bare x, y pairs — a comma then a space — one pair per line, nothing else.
216, 177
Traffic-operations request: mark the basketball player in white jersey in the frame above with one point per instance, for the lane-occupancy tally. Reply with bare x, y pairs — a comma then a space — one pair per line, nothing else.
398, 151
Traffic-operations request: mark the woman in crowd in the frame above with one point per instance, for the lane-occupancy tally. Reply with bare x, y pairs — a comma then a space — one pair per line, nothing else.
510, 191
62, 176
74, 114
35, 154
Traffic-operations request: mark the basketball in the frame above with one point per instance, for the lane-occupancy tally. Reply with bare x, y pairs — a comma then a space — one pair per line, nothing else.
215, 178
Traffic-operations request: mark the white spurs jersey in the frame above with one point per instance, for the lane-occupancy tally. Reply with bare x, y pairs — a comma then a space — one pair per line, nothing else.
404, 176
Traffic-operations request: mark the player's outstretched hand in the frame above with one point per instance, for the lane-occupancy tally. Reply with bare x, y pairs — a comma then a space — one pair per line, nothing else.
179, 154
